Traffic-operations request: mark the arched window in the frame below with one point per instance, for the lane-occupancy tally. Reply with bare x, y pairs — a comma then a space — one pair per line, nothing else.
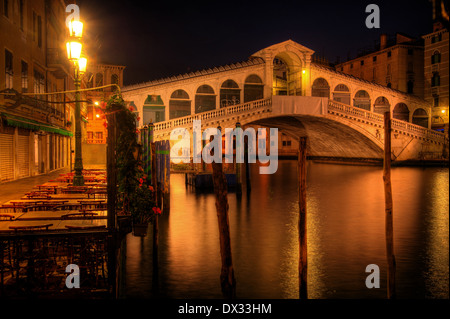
362, 100
153, 110
420, 117
401, 112
179, 104
230, 94
320, 88
381, 105
205, 99
341, 94
99, 79
436, 57
253, 88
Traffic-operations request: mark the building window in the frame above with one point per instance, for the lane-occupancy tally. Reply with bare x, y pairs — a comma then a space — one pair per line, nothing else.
410, 51
410, 85
39, 82
179, 104
39, 30
351, 65
435, 80
9, 69
24, 77
410, 67
389, 54
6, 8
230, 94
436, 57
374, 59
374, 74
21, 14
99, 136
253, 88
435, 100
34, 26
205, 99
436, 38
362, 62
388, 71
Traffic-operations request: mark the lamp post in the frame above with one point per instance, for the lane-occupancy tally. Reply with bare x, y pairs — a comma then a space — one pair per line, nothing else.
74, 54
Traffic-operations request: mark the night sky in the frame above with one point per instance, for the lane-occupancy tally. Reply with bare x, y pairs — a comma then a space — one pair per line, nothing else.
155, 39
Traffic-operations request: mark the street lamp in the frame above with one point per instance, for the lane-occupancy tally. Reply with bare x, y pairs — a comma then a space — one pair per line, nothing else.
74, 48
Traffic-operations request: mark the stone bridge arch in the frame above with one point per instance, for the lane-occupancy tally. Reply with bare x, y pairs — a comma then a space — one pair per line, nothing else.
326, 137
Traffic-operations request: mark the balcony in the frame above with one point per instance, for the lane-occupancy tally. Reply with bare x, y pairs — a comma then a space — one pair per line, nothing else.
57, 62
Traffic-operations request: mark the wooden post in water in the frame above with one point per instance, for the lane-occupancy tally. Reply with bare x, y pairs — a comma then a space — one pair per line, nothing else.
166, 185
302, 235
238, 165
227, 280
155, 222
388, 207
247, 165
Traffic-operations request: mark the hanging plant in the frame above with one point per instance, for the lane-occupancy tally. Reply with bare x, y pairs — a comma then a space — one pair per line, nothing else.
137, 196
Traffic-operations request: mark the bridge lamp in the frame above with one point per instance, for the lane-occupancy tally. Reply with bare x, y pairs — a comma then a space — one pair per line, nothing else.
304, 71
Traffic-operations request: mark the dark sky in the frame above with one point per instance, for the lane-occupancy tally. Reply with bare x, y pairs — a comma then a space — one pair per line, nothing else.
155, 39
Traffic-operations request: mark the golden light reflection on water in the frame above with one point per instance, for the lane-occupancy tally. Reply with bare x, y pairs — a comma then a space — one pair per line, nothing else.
345, 233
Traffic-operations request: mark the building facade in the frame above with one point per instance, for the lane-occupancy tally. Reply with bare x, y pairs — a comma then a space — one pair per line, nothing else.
397, 64
35, 130
436, 74
99, 75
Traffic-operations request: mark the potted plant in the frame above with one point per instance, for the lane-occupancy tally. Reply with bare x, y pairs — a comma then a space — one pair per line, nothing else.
142, 207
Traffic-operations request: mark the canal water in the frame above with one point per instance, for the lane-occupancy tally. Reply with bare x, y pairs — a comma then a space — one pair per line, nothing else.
345, 207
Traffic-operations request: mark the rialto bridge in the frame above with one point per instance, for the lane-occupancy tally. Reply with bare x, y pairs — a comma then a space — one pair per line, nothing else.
280, 87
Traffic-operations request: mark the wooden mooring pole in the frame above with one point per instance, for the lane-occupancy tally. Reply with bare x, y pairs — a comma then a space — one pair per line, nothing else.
302, 238
388, 207
227, 280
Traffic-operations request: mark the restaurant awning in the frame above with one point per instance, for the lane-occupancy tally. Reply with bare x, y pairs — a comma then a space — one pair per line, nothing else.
17, 121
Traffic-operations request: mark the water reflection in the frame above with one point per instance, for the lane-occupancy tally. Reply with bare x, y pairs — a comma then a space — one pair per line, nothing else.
345, 233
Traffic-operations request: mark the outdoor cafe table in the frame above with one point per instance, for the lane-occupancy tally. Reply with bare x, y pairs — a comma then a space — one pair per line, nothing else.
60, 214
55, 224
63, 196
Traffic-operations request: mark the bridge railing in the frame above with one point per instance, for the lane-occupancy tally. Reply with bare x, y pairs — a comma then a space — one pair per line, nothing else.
214, 114
379, 119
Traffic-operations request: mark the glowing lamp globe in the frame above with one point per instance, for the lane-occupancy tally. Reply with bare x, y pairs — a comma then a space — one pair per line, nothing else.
73, 50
